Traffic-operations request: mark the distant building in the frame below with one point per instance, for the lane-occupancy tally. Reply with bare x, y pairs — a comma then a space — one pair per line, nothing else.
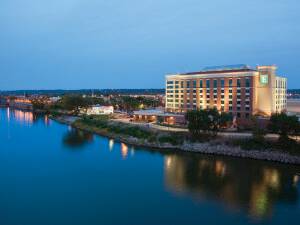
237, 89
21, 102
3, 101
98, 110
154, 116
293, 107
54, 99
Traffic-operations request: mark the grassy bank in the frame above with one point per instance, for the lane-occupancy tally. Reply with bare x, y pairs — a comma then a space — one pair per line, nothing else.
102, 125
151, 138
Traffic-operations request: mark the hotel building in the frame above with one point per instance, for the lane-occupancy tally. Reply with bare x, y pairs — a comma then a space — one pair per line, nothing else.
238, 89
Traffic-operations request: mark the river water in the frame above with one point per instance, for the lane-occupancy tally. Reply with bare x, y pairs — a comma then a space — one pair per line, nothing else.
53, 174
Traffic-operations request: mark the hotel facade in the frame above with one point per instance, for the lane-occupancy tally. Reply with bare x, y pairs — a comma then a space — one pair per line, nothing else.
238, 89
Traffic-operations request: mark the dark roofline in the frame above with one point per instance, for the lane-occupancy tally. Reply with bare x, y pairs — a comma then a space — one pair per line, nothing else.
219, 71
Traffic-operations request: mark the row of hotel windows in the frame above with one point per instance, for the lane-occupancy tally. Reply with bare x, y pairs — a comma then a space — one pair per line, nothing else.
215, 94
230, 101
170, 83
247, 91
238, 109
281, 83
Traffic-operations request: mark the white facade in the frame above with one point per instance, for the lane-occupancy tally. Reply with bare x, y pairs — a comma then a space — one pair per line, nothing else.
99, 110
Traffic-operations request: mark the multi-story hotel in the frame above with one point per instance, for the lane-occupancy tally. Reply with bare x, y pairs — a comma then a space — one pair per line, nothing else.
238, 89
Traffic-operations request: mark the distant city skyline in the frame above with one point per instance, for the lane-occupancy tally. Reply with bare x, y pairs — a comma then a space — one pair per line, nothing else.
77, 44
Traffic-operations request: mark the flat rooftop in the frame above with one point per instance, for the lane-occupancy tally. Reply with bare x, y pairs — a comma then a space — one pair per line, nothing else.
222, 69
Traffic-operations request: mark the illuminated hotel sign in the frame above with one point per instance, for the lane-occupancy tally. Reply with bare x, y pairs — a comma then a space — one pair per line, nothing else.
264, 79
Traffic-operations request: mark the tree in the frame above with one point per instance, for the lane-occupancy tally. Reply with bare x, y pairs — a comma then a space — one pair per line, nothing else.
207, 121
284, 125
73, 102
258, 131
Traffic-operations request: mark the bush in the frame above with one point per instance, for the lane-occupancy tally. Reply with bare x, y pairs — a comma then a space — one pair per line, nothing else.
172, 139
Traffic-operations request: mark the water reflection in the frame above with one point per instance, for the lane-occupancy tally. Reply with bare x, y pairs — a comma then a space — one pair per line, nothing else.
111, 144
248, 185
124, 150
25, 117
76, 138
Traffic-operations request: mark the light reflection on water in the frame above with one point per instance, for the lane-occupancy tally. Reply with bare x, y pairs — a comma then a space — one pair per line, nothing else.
254, 187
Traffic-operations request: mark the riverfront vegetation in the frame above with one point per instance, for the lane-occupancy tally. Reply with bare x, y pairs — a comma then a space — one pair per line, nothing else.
104, 126
144, 135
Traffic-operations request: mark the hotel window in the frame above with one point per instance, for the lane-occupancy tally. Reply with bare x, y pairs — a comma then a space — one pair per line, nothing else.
194, 91
215, 96
238, 108
222, 91
201, 83
238, 82
182, 84
194, 84
188, 84
222, 108
239, 91
247, 82
222, 83
207, 83
230, 108
247, 108
215, 83
222, 102
230, 96
230, 102
169, 82
230, 82
247, 91
215, 91
207, 102
247, 115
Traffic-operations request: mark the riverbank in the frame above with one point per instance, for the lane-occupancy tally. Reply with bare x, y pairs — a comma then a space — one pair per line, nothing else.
142, 137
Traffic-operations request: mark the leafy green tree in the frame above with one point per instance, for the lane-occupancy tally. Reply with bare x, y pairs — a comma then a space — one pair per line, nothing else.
258, 132
284, 125
73, 102
206, 121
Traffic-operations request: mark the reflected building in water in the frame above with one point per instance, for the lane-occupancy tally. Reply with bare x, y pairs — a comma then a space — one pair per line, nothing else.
21, 116
124, 150
26, 117
240, 184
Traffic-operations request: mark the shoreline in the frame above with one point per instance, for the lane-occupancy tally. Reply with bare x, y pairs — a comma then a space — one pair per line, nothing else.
202, 148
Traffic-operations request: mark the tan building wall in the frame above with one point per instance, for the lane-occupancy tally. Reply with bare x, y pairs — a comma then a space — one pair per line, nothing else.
243, 92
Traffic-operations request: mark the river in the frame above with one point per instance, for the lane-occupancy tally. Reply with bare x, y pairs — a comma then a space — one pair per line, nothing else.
53, 174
